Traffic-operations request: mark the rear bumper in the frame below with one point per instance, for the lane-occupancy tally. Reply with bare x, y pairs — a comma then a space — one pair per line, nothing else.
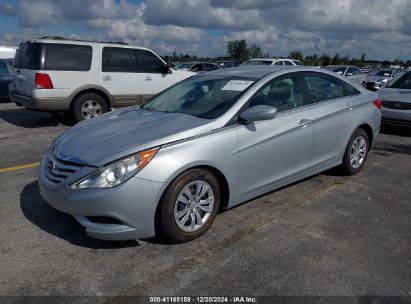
41, 104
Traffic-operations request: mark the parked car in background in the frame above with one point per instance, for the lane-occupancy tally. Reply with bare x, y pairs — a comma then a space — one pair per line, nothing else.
351, 72
379, 78
86, 78
366, 71
272, 61
227, 63
198, 67
5, 78
212, 141
396, 100
7, 52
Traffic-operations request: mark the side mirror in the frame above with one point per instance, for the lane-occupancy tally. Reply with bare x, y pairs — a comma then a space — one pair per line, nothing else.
165, 69
349, 74
259, 113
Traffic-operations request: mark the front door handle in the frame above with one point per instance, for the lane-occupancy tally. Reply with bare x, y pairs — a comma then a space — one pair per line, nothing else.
147, 78
349, 106
304, 122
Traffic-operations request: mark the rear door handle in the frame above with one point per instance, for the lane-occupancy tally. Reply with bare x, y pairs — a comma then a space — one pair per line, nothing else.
349, 106
304, 122
147, 78
106, 77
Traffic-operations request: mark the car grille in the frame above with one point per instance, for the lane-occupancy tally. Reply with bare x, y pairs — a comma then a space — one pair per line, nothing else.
56, 170
397, 105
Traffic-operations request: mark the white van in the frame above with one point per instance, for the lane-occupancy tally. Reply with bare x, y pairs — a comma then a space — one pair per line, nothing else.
7, 52
86, 78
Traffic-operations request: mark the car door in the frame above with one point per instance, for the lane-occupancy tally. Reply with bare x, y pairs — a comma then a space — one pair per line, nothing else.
334, 116
119, 75
273, 150
154, 78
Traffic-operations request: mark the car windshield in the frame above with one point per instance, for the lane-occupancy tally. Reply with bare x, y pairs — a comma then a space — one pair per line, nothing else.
338, 70
201, 96
257, 62
380, 73
183, 66
402, 81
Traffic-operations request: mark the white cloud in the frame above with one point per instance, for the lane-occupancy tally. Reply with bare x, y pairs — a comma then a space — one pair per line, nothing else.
279, 26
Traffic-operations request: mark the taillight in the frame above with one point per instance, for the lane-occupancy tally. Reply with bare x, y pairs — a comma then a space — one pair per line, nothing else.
377, 103
43, 81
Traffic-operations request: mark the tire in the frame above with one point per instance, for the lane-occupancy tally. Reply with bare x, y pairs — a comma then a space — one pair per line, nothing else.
175, 205
356, 152
88, 105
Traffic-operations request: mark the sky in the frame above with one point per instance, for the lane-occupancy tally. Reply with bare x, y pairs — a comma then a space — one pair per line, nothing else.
379, 28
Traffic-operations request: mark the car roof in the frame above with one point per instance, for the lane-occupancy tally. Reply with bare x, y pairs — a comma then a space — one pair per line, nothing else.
256, 72
62, 40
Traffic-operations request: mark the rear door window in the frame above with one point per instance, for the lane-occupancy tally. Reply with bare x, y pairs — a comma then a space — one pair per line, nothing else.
68, 57
322, 87
28, 56
120, 60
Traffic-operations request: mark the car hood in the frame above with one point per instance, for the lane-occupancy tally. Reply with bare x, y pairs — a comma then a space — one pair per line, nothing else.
101, 140
393, 94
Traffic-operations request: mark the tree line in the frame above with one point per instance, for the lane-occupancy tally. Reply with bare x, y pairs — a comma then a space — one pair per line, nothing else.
238, 50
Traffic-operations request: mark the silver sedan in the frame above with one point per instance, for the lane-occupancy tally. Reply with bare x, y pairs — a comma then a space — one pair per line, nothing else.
209, 142
396, 100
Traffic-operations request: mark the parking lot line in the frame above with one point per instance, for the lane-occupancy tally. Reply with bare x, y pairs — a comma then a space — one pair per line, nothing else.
15, 168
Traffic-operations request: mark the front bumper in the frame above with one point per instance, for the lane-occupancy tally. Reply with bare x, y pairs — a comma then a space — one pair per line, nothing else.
40, 104
132, 204
393, 115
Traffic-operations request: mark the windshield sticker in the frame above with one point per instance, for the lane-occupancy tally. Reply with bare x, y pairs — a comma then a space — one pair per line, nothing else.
237, 85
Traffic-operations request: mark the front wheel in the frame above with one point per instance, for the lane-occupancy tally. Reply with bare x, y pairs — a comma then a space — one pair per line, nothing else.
356, 152
189, 205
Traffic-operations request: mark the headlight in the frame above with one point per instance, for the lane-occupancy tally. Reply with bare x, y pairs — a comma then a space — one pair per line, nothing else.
117, 172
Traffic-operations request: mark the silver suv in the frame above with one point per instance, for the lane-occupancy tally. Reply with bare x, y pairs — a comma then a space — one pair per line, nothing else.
86, 78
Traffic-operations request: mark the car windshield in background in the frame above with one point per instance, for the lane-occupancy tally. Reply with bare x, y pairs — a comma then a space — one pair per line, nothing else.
257, 62
402, 81
380, 73
338, 70
183, 66
204, 97
298, 63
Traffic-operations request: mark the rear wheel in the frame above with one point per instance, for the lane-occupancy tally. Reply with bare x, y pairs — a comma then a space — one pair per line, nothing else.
189, 206
356, 152
88, 105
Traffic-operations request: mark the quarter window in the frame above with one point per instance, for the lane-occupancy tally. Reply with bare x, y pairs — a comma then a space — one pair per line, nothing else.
283, 94
68, 57
118, 60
